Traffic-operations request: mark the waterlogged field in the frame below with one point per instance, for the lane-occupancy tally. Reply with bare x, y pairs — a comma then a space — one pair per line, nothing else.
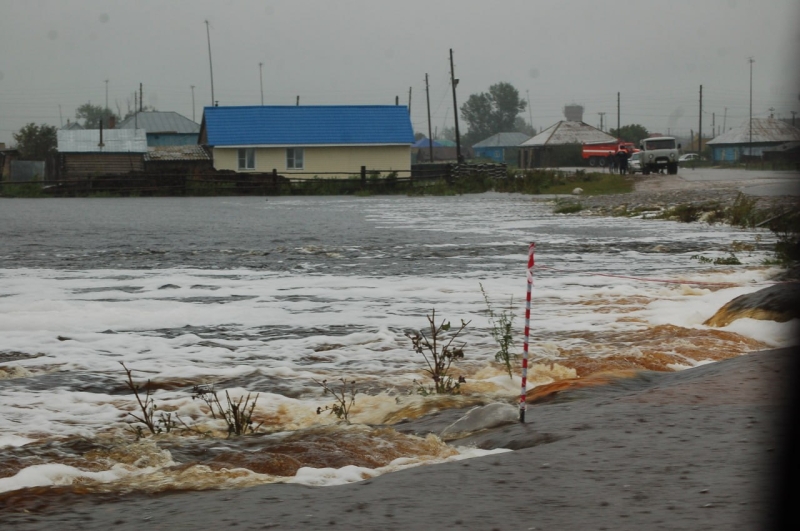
269, 298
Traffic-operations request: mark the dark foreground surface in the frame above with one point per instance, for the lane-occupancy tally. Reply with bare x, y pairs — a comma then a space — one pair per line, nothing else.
699, 449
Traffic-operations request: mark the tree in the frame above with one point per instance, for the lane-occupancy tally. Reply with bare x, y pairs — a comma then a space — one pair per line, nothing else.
448, 133
631, 133
491, 112
146, 108
419, 136
36, 142
93, 114
521, 126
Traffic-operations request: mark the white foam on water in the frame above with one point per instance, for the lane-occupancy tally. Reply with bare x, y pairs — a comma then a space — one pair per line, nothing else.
65, 332
60, 474
327, 477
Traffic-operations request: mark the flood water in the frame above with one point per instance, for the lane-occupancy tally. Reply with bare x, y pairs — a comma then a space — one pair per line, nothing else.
270, 297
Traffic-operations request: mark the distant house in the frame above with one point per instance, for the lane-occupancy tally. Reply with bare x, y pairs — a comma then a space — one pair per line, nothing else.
767, 134
163, 128
72, 126
560, 144
309, 141
92, 152
7, 156
501, 147
442, 150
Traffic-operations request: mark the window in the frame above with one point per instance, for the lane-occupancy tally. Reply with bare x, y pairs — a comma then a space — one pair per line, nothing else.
294, 159
667, 143
247, 159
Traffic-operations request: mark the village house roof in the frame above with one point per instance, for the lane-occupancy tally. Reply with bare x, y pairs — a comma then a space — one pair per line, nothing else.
176, 153
764, 130
160, 122
512, 139
568, 132
114, 141
306, 125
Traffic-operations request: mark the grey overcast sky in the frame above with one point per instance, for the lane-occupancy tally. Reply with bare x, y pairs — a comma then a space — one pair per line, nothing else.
57, 54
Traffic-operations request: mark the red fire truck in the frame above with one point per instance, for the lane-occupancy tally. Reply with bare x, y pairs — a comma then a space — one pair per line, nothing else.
597, 152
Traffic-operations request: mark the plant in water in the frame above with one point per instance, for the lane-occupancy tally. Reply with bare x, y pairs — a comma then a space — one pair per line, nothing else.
344, 396
731, 259
439, 351
147, 407
502, 327
568, 208
237, 414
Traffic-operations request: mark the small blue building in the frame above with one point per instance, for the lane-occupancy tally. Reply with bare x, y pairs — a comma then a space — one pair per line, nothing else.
767, 134
163, 128
501, 147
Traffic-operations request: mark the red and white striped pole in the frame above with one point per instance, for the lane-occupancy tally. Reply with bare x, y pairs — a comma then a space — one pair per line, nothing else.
522, 404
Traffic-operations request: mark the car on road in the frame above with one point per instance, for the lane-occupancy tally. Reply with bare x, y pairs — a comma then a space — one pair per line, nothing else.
689, 157
635, 163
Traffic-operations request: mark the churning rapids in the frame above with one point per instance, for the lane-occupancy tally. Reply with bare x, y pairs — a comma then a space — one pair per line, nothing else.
266, 296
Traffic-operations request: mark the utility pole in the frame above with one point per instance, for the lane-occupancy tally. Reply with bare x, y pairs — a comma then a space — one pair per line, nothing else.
618, 126
601, 120
713, 123
530, 112
297, 101
428, 98
409, 101
454, 82
724, 119
261, 78
192, 87
135, 112
750, 126
141, 97
700, 128
210, 66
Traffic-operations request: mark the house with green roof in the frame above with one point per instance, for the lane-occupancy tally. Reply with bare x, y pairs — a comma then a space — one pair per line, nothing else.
316, 141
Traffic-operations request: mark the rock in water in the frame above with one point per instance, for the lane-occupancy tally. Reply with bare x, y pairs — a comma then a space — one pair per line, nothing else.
775, 303
481, 418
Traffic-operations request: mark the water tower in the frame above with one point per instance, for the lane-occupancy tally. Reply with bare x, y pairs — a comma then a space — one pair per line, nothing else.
573, 112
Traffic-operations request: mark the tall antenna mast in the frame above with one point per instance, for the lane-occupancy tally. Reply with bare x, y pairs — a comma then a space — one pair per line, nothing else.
261, 77
210, 66
428, 98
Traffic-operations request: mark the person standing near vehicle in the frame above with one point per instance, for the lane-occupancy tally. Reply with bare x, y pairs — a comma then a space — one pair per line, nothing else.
622, 161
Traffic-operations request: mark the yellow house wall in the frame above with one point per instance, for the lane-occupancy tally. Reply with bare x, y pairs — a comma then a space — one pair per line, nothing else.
318, 161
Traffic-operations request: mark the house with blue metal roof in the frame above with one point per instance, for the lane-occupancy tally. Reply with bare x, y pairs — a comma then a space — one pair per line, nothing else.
326, 141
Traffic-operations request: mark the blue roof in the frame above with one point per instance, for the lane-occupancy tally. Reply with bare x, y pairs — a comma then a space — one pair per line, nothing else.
307, 125
426, 143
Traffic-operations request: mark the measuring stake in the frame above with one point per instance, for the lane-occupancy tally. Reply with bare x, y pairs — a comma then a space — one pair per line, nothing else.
522, 404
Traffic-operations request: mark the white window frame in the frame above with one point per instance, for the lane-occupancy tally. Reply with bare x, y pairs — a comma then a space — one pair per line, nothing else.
292, 159
246, 155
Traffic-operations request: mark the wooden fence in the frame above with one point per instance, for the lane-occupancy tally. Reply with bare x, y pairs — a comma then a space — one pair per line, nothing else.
215, 182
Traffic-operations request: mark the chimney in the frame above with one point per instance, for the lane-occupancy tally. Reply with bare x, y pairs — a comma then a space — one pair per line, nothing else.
101, 134
573, 112
112, 122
